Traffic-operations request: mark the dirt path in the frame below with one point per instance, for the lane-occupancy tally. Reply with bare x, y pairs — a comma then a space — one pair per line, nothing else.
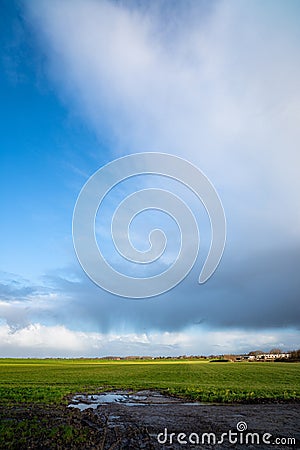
171, 423
280, 421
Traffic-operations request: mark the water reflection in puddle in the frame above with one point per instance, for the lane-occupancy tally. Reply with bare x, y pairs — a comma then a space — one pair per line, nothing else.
93, 401
142, 398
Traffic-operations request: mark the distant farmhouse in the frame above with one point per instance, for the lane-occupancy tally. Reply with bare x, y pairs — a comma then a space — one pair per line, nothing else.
272, 356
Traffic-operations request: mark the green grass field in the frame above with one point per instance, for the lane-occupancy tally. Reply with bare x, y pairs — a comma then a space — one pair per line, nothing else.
50, 381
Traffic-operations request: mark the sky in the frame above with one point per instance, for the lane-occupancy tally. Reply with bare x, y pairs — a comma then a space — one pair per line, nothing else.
84, 82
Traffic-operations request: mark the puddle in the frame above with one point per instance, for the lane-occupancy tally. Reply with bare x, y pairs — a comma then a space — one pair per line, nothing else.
93, 401
82, 406
141, 398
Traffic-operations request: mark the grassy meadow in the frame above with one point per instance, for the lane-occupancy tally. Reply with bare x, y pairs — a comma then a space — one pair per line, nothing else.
51, 381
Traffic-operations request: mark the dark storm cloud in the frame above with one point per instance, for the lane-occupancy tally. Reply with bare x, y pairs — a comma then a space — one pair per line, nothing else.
259, 292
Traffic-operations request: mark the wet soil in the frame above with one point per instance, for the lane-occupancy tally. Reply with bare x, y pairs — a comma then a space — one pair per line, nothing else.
137, 421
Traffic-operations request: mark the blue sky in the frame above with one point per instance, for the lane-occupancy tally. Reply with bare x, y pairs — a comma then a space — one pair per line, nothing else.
85, 82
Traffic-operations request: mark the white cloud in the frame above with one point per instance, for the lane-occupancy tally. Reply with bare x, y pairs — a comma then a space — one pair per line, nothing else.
37, 340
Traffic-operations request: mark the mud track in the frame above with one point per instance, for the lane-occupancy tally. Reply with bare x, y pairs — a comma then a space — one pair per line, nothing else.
121, 426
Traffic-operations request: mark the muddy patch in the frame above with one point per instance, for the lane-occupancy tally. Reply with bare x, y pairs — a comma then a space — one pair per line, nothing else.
127, 398
161, 421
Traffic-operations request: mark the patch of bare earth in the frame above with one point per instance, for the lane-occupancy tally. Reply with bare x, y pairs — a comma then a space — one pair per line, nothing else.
137, 424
